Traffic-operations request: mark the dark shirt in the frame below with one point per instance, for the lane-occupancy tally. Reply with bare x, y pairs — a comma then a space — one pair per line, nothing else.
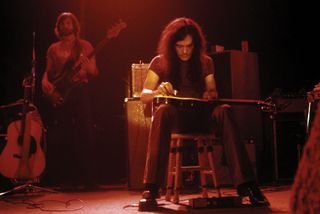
187, 88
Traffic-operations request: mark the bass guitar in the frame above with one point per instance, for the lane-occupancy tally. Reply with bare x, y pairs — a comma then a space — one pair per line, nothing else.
23, 157
65, 83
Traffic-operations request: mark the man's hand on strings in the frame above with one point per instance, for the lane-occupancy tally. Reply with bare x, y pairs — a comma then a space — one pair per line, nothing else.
166, 89
87, 64
87, 67
210, 95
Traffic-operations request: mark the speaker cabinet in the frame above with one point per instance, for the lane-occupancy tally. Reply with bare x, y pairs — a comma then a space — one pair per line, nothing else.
289, 137
137, 137
237, 74
138, 75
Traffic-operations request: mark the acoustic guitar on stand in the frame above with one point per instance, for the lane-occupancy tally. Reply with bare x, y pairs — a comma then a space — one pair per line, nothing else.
66, 82
23, 157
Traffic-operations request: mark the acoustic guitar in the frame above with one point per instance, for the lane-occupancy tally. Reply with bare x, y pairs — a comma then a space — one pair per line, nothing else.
23, 157
65, 83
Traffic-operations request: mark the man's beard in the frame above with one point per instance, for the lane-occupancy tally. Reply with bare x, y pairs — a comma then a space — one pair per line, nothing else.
64, 33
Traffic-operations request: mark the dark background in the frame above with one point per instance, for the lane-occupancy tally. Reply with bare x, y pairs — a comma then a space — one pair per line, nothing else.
268, 25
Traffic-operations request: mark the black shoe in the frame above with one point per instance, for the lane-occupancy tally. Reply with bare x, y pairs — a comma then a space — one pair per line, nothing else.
148, 201
150, 194
256, 197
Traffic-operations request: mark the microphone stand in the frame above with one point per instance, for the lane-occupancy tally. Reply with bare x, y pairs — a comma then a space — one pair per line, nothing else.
33, 68
27, 184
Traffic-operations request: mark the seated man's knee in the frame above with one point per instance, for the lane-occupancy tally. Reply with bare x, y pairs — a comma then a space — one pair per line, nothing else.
222, 109
164, 109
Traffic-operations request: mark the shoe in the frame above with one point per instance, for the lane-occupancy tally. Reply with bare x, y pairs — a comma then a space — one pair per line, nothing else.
150, 194
148, 201
256, 197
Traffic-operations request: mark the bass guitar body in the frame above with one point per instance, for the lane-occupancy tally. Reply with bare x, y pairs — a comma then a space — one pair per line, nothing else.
13, 164
64, 84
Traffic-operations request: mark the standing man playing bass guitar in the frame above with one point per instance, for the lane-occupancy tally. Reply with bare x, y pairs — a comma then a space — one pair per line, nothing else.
69, 68
183, 69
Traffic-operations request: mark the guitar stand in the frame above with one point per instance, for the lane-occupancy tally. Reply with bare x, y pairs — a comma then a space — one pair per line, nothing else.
26, 189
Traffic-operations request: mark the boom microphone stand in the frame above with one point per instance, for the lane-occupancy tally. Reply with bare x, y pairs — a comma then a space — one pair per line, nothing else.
27, 186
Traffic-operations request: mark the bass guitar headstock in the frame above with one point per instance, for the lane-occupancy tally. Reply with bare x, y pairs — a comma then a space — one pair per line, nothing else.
116, 28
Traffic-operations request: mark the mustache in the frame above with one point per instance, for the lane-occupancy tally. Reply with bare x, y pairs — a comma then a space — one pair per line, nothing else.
65, 33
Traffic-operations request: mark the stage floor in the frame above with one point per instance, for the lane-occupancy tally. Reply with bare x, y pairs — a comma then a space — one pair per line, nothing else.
117, 199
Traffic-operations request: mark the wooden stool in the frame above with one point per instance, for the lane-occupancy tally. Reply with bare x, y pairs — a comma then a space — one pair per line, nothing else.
175, 167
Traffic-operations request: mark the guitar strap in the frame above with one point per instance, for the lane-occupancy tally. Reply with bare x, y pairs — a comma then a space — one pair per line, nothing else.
76, 51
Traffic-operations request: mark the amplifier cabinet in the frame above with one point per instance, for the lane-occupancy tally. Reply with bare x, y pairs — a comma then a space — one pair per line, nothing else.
137, 138
289, 132
237, 74
138, 75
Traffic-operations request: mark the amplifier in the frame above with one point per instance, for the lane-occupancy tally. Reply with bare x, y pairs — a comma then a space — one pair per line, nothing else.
289, 102
138, 75
138, 124
286, 105
289, 132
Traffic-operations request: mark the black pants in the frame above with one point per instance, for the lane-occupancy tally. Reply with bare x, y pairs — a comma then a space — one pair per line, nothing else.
168, 118
71, 148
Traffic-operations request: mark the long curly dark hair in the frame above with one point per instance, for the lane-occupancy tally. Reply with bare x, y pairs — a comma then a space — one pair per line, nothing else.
175, 31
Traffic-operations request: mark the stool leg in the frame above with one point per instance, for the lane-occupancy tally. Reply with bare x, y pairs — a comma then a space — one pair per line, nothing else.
177, 178
171, 166
202, 164
212, 168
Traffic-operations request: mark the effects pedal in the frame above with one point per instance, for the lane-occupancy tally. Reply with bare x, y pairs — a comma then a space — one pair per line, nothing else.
214, 202
148, 205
